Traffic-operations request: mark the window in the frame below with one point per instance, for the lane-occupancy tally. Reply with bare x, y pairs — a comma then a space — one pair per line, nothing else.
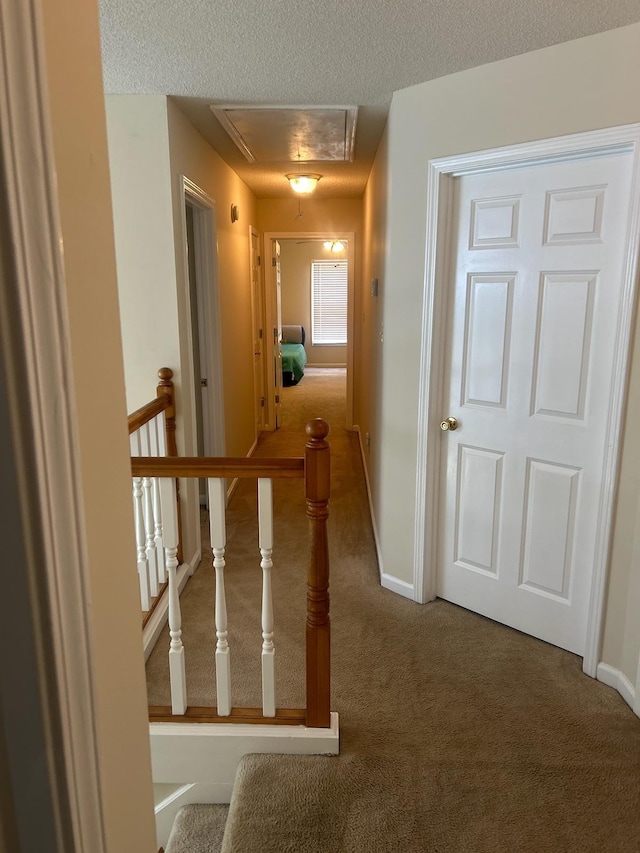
328, 303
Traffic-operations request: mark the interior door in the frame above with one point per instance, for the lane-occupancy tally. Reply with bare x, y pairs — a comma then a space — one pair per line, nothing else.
257, 309
536, 275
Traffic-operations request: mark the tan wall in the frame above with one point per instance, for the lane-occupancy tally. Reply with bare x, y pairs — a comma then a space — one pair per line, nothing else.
141, 186
143, 227
79, 136
194, 158
332, 216
369, 356
151, 145
295, 269
581, 85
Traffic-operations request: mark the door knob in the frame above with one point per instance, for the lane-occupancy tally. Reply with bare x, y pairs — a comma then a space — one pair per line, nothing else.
450, 423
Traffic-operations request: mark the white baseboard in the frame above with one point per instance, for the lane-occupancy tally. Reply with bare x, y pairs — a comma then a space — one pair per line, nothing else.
403, 588
156, 624
396, 585
618, 680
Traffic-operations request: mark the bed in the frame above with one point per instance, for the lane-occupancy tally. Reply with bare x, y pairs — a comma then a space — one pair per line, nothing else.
294, 355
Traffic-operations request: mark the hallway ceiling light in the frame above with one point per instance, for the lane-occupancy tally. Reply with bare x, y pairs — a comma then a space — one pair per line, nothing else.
303, 184
334, 245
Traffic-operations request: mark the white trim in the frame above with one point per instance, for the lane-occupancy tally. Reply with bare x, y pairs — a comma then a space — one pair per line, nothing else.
430, 390
350, 237
398, 586
389, 582
185, 795
613, 677
209, 753
440, 179
41, 326
261, 326
152, 631
172, 797
205, 233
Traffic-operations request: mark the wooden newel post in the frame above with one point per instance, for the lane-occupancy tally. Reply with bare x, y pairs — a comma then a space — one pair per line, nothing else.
317, 489
165, 388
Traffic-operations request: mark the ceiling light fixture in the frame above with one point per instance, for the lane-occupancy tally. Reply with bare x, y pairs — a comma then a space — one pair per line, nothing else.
303, 184
333, 245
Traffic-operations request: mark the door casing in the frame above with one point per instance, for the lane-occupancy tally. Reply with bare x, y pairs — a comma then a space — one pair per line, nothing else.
441, 175
258, 332
206, 268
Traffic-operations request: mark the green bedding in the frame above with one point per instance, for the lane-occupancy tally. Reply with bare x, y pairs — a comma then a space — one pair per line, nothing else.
294, 358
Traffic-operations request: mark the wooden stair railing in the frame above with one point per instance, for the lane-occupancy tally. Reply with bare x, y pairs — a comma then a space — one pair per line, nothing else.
314, 467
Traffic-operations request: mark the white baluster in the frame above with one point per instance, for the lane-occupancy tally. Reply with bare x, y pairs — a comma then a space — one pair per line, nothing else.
134, 443
155, 448
143, 563
265, 536
150, 545
177, 674
147, 486
161, 435
217, 526
157, 532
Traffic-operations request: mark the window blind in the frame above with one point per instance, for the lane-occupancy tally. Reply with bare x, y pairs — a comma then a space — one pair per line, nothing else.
329, 302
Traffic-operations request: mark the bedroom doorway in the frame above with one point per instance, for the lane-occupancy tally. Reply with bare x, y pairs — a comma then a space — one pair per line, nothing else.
305, 289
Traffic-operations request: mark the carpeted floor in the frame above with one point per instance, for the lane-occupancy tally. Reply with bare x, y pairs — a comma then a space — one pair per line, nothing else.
457, 734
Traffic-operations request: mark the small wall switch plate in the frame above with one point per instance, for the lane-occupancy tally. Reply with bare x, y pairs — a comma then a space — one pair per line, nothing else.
374, 286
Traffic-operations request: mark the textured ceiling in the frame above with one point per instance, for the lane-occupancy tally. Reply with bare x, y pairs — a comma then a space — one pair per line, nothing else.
318, 52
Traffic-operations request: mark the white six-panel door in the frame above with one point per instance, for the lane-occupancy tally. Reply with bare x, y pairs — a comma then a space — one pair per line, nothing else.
535, 285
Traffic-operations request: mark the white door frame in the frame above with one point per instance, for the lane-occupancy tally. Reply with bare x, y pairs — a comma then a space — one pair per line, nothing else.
206, 265
440, 186
34, 335
258, 316
350, 237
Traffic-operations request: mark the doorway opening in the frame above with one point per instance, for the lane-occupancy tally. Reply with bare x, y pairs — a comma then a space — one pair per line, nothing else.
311, 286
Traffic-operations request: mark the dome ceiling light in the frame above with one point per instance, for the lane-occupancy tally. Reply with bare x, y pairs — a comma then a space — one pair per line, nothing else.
303, 184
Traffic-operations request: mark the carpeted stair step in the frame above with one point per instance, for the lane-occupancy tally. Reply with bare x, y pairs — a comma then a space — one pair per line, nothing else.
198, 829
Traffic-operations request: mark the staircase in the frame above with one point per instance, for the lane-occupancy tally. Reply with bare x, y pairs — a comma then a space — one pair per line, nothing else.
202, 720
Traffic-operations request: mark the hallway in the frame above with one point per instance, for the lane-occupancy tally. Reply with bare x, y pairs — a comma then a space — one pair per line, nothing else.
457, 734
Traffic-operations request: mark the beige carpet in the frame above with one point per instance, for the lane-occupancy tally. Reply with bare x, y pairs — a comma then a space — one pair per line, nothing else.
457, 734
198, 829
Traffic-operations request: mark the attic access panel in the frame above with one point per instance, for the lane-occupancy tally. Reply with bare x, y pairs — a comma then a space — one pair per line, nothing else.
289, 134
